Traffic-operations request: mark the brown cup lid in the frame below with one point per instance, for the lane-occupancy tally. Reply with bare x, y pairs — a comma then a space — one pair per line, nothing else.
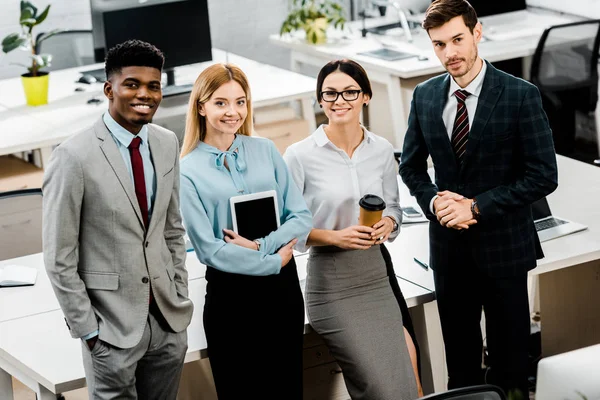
371, 202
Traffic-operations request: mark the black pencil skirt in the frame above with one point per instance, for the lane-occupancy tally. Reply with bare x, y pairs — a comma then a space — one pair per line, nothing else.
254, 327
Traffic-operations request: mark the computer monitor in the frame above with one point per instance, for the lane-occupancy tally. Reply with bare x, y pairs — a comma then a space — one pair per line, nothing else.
572, 375
179, 28
490, 7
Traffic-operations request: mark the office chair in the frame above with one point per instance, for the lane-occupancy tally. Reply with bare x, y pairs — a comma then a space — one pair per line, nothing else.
20, 223
480, 392
68, 48
565, 70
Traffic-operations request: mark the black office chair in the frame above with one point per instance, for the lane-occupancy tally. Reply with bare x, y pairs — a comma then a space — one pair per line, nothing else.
565, 69
71, 48
480, 392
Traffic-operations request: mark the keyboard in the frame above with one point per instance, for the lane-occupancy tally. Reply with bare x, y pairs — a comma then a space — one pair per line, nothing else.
548, 223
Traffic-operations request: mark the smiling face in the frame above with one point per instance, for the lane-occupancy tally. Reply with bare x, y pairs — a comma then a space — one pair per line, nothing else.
343, 111
456, 48
134, 95
226, 110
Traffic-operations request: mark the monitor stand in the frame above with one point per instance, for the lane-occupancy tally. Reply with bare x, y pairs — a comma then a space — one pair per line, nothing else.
171, 89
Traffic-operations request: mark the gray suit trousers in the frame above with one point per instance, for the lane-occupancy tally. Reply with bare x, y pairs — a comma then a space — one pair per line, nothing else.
149, 370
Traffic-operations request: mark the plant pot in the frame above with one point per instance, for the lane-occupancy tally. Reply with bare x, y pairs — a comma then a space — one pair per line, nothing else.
36, 88
316, 30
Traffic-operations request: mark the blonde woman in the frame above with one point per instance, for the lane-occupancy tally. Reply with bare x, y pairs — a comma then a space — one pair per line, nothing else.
253, 297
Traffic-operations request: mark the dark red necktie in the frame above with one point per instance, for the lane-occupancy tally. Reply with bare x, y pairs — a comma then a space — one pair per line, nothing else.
137, 165
460, 131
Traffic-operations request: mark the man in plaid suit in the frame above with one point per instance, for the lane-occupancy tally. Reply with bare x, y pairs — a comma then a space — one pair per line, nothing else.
493, 155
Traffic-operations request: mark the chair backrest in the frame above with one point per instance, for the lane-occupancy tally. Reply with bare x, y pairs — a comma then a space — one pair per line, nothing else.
566, 58
69, 49
480, 392
20, 223
570, 376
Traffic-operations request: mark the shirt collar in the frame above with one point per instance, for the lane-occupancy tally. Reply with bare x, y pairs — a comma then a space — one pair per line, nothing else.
121, 134
474, 88
321, 138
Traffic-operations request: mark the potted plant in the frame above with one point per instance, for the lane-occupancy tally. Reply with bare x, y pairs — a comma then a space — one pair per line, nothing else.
314, 16
35, 82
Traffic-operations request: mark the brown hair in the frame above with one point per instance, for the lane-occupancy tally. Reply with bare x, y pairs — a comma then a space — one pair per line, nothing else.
441, 11
206, 84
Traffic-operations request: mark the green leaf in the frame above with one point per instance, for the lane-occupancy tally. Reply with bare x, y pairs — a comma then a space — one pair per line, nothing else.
27, 4
46, 60
42, 16
27, 14
29, 22
12, 42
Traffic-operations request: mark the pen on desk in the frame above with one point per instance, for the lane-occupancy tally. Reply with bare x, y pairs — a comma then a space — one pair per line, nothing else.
421, 263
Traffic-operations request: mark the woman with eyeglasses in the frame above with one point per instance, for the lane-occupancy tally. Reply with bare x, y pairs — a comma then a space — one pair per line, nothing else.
349, 294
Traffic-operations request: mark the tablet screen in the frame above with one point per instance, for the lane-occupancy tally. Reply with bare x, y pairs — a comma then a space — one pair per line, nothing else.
256, 218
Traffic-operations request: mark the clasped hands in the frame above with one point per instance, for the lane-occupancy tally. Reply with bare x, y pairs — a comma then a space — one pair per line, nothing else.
286, 252
453, 210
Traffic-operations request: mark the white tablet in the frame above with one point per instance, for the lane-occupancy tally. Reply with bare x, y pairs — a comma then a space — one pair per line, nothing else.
255, 215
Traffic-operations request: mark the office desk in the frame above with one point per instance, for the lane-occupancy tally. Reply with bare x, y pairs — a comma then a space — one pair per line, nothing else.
389, 109
38, 350
26, 128
19, 302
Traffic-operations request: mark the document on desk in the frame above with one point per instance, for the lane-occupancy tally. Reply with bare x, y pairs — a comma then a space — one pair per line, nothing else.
17, 275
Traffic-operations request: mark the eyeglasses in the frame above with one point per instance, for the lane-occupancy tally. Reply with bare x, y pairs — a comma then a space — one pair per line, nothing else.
331, 95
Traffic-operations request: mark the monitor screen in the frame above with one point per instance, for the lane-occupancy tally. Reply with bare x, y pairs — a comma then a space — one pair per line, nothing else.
540, 209
256, 218
492, 7
179, 28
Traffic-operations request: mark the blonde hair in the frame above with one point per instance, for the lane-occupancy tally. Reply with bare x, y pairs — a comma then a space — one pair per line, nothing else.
206, 84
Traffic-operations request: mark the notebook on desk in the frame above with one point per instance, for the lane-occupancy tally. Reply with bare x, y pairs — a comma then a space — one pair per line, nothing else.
549, 227
17, 275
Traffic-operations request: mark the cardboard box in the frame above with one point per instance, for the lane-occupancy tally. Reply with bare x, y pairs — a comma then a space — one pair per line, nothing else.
284, 133
16, 174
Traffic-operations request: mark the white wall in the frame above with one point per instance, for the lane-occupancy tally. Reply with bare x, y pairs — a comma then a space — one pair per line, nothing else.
238, 26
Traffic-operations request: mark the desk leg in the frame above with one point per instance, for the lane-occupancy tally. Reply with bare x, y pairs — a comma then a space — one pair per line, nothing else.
431, 344
45, 153
308, 113
6, 388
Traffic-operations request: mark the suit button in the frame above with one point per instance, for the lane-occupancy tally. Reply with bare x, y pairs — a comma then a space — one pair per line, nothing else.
145, 279
147, 244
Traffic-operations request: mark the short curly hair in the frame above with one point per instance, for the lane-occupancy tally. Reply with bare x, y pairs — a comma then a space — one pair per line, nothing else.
132, 53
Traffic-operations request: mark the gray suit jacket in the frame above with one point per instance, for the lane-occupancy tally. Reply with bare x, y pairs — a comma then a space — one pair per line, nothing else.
99, 257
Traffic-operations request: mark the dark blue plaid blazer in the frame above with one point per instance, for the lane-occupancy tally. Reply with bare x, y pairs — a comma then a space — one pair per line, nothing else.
509, 164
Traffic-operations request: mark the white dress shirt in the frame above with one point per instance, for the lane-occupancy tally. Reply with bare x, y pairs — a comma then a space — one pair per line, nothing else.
449, 113
332, 183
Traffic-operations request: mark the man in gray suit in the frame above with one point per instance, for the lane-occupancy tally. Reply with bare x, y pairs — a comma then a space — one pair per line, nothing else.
113, 238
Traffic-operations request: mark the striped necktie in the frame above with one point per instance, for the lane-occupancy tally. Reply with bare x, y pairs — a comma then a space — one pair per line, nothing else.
460, 131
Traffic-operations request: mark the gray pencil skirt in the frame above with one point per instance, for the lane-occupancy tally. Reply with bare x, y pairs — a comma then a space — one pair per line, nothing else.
351, 305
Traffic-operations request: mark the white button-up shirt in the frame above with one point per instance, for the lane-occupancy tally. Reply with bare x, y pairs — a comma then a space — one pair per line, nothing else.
332, 182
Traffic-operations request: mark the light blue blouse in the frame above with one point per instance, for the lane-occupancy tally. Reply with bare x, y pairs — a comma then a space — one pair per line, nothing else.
206, 186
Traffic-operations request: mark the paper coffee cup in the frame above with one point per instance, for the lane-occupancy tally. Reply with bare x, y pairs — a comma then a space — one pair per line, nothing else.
371, 209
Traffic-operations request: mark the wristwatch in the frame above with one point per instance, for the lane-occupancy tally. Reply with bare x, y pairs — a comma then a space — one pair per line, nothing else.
395, 226
475, 210
257, 244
